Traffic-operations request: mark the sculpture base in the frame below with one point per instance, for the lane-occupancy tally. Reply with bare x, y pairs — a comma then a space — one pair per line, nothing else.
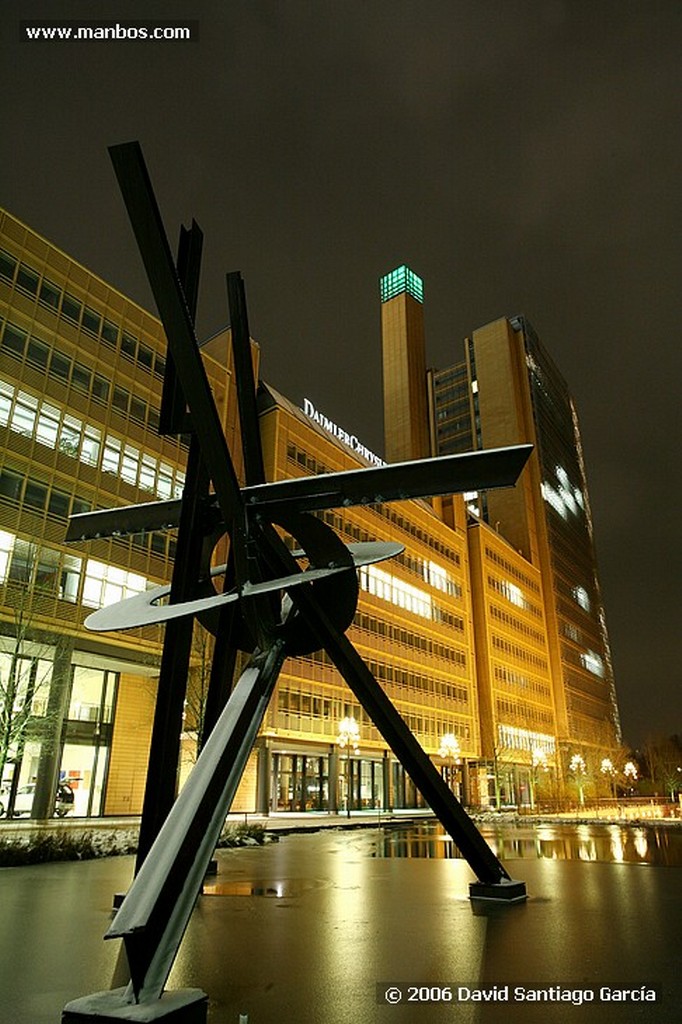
505, 891
182, 1006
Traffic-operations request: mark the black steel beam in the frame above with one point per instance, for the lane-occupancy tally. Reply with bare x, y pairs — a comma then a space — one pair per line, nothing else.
254, 469
173, 413
147, 225
390, 724
164, 752
447, 474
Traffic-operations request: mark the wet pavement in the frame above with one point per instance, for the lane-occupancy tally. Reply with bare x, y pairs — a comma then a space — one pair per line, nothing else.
318, 928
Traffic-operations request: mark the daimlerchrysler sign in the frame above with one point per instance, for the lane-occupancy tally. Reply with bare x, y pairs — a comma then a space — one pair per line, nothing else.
332, 428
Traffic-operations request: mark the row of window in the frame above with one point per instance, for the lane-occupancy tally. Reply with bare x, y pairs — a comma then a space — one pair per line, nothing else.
397, 634
527, 713
516, 624
390, 588
510, 677
48, 571
55, 428
53, 297
393, 675
92, 691
513, 570
40, 497
514, 595
432, 573
389, 673
512, 738
67, 371
520, 653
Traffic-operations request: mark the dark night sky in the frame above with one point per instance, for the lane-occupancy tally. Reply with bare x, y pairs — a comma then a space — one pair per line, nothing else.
522, 156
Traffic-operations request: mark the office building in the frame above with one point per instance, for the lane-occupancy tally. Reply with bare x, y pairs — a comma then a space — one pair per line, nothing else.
457, 629
508, 390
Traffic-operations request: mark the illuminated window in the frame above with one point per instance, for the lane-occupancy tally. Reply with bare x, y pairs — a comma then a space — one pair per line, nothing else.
400, 280
130, 464
47, 427
6, 546
105, 584
523, 739
24, 415
593, 663
582, 597
389, 588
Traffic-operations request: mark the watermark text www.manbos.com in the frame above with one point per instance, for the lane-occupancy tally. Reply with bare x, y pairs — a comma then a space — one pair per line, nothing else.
395, 993
99, 31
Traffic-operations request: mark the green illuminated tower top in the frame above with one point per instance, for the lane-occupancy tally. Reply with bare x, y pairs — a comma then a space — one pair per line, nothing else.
400, 280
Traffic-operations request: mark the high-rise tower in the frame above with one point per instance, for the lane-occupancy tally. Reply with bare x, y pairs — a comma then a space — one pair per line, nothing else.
406, 431
517, 394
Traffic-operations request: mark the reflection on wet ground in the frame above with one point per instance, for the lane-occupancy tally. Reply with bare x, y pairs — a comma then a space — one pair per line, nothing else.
615, 844
279, 889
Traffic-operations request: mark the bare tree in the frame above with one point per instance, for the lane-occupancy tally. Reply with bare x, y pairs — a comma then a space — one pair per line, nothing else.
26, 661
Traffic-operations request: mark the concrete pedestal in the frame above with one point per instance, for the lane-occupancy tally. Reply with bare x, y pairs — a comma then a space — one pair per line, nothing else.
183, 1006
506, 891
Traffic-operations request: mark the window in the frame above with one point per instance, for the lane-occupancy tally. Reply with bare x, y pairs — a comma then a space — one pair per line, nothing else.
138, 409
59, 503
60, 366
109, 333
100, 387
23, 417
8, 265
14, 340
81, 377
111, 455
120, 400
70, 578
70, 436
91, 321
71, 308
35, 495
130, 464
91, 446
27, 279
50, 294
145, 356
129, 345
48, 425
38, 353
148, 473
6, 397
10, 484
106, 584
6, 547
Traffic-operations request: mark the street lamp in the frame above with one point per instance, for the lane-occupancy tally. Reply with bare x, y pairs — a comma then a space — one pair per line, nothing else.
348, 739
577, 767
631, 774
606, 768
450, 751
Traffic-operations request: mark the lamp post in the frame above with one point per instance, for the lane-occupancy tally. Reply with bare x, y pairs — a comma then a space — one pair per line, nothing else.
606, 768
348, 738
450, 751
631, 774
577, 767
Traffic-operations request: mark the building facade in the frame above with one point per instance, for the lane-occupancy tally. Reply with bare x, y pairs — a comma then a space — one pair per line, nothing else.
507, 391
457, 629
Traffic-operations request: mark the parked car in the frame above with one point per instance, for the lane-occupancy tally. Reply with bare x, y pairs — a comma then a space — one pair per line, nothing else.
23, 803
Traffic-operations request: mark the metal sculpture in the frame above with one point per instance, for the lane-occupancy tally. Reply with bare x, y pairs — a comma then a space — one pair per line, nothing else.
271, 607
